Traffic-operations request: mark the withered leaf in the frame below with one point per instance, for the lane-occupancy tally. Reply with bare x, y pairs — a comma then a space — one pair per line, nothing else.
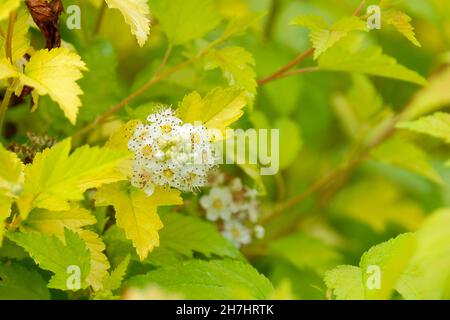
46, 16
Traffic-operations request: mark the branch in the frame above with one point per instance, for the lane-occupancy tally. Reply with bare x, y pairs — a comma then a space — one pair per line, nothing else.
154, 80
100, 16
284, 71
280, 72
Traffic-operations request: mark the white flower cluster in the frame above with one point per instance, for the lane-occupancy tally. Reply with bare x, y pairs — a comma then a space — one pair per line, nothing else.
235, 208
169, 153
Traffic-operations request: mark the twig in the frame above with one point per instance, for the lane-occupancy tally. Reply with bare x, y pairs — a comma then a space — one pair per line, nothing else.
154, 80
360, 7
295, 72
164, 60
274, 8
284, 71
101, 15
280, 72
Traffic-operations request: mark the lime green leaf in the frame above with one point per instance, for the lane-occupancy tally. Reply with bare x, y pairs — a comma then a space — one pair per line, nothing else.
20, 42
181, 237
55, 177
346, 282
119, 139
7, 7
54, 223
55, 73
385, 204
236, 64
404, 154
431, 98
114, 280
238, 25
391, 259
436, 125
137, 213
54, 255
99, 96
426, 277
217, 110
7, 70
11, 179
404, 264
221, 279
20, 283
306, 252
136, 14
187, 235
10, 184
323, 36
183, 21
402, 22
5, 212
379, 271
351, 56
360, 110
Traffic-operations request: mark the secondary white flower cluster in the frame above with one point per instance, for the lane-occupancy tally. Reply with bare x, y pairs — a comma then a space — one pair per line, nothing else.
235, 209
170, 153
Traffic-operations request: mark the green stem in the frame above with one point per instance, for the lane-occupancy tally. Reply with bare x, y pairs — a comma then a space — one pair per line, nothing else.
164, 60
101, 15
9, 35
4, 106
271, 19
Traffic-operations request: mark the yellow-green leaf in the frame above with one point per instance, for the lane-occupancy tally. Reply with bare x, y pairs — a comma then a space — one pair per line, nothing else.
380, 269
428, 273
399, 152
386, 204
352, 55
136, 14
217, 110
236, 64
55, 73
7, 70
56, 255
402, 22
20, 42
391, 258
431, 98
436, 125
183, 21
55, 177
7, 6
54, 223
137, 213
11, 178
5, 211
346, 282
324, 36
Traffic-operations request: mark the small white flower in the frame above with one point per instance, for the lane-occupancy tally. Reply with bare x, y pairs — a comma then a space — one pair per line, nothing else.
253, 211
259, 232
236, 185
217, 204
237, 233
169, 153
